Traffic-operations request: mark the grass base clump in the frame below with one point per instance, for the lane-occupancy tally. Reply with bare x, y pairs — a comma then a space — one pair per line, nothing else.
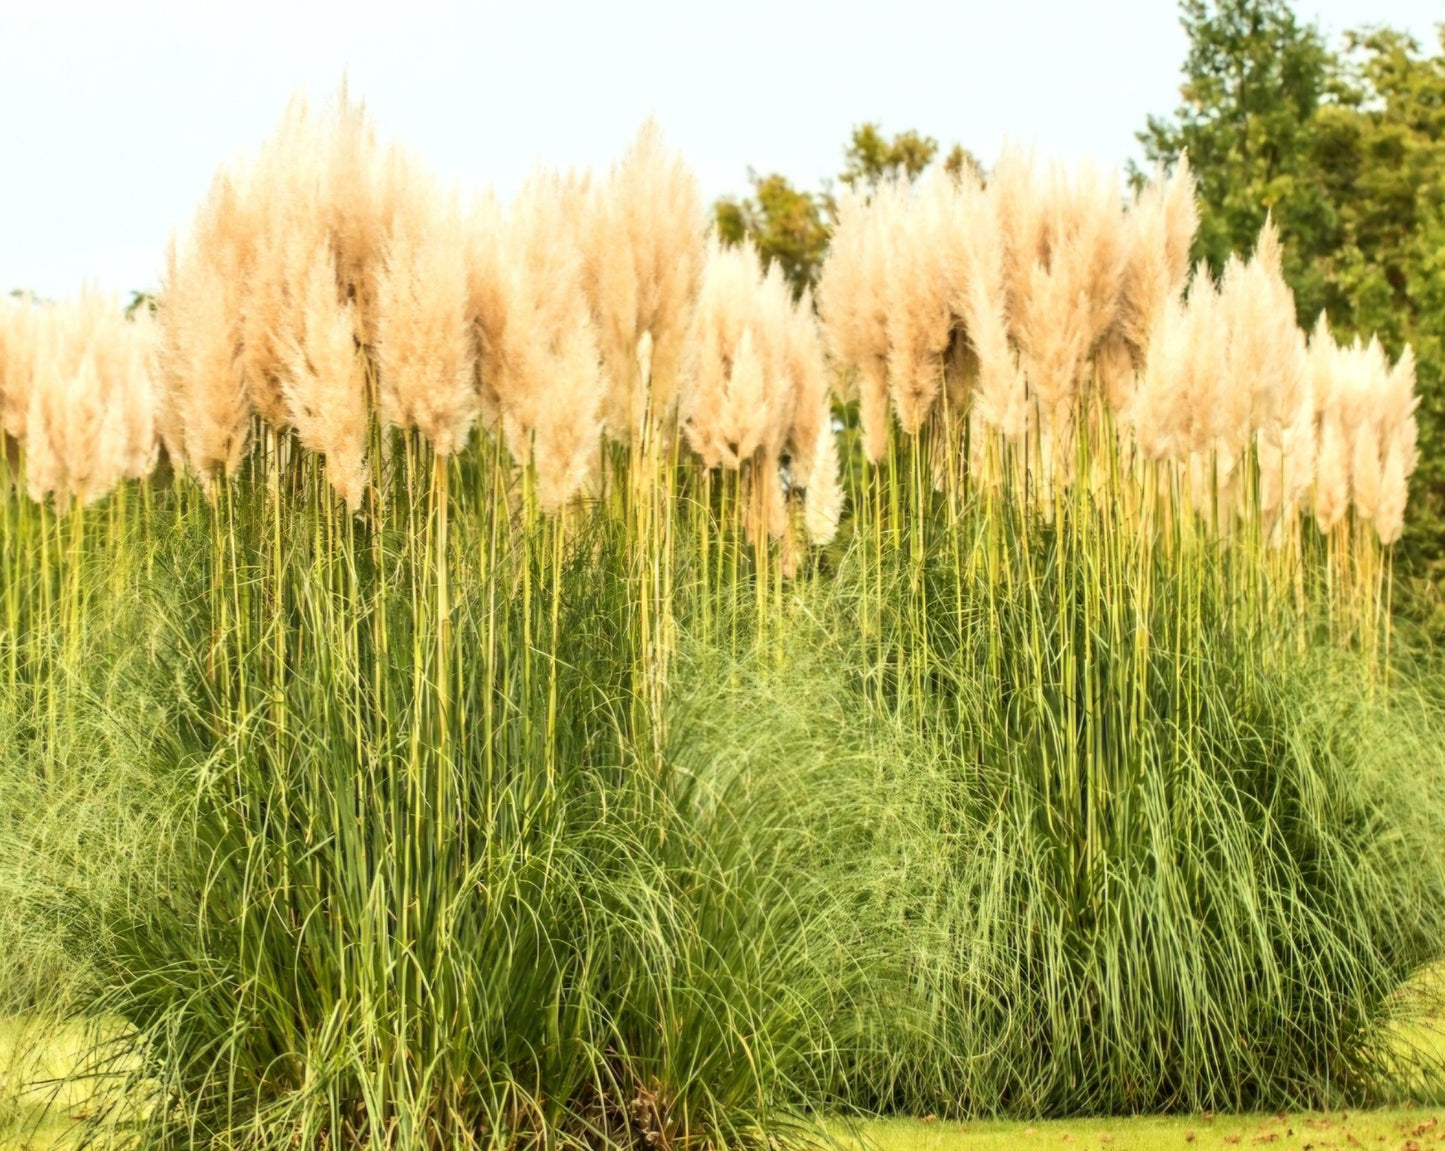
1154, 856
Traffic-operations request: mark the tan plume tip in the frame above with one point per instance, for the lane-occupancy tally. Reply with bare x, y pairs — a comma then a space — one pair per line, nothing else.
1158, 235
852, 302
981, 300
1397, 439
807, 376
1394, 494
724, 405
214, 408
643, 239
918, 285
425, 349
549, 382
18, 330
1366, 474
81, 416
362, 189
1066, 297
324, 382
205, 413
823, 496
125, 352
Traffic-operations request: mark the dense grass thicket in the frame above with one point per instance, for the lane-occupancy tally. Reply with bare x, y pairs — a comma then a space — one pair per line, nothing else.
467, 736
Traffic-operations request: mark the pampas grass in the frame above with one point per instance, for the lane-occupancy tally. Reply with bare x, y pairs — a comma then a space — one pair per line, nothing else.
448, 872
323, 381
643, 237
549, 381
419, 322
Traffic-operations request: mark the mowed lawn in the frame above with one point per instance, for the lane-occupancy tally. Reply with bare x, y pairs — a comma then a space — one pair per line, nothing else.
1412, 1129
1407, 1130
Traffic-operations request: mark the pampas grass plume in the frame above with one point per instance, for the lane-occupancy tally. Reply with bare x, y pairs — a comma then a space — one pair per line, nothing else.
425, 350
206, 411
644, 242
18, 333
324, 381
549, 384
852, 302
917, 289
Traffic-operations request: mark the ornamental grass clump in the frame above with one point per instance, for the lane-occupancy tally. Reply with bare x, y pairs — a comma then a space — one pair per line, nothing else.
516, 921
472, 509
1085, 577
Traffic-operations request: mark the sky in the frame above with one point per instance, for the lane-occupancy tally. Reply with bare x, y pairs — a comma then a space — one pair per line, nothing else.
114, 117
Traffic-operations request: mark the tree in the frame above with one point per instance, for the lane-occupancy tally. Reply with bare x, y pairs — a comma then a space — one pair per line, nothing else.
793, 226
1254, 78
787, 225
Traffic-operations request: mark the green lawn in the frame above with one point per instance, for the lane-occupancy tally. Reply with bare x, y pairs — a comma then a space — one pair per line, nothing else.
1406, 1129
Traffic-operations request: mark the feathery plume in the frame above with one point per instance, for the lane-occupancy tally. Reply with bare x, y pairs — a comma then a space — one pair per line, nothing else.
90, 413
425, 351
1332, 465
917, 290
1065, 300
823, 493
324, 381
644, 242
17, 363
206, 410
1158, 234
725, 404
852, 302
549, 382
981, 301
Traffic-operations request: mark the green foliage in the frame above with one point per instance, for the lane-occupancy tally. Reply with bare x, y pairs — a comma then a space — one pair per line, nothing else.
872, 157
789, 226
139, 300
1254, 78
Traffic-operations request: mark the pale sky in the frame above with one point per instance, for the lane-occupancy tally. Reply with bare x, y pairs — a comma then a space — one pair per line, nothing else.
114, 116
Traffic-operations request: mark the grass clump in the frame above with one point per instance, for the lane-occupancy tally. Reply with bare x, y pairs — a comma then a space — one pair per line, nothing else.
568, 739
506, 915
1154, 854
